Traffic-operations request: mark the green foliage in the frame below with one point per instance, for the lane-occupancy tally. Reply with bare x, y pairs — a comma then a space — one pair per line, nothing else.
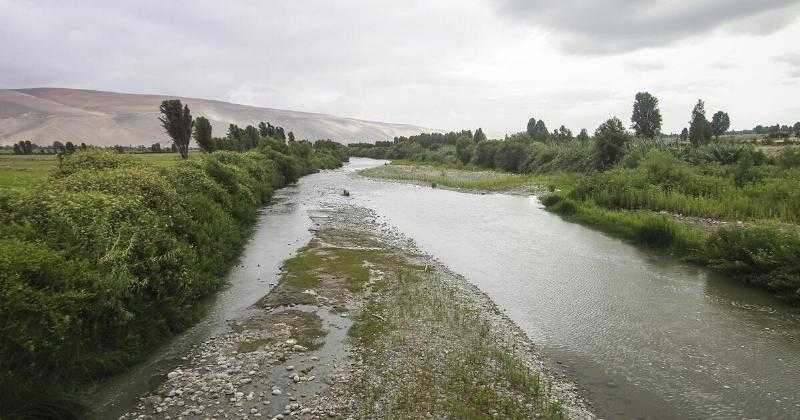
646, 117
720, 123
479, 136
177, 122
202, 134
699, 127
610, 141
465, 148
112, 255
764, 255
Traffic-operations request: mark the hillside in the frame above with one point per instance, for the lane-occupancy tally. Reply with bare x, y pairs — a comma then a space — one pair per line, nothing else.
44, 115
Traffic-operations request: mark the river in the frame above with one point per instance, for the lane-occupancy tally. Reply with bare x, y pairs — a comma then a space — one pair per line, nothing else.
642, 335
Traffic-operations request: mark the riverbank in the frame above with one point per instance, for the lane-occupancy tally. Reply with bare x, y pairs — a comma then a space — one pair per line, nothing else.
761, 252
363, 324
111, 255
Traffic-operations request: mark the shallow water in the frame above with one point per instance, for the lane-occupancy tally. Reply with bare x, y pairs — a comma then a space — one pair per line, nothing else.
643, 336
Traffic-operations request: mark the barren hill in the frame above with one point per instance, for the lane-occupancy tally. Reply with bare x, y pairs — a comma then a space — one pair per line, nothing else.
44, 115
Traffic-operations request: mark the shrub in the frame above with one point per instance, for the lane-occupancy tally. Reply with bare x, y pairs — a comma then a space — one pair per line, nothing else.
550, 200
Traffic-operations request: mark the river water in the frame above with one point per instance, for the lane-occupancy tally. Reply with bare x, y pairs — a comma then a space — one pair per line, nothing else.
643, 336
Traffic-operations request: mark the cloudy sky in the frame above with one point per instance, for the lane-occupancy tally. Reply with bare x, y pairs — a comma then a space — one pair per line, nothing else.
446, 64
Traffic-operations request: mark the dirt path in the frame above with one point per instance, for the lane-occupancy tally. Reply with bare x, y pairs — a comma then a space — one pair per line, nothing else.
364, 325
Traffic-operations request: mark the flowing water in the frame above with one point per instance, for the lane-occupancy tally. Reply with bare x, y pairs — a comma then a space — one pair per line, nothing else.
643, 336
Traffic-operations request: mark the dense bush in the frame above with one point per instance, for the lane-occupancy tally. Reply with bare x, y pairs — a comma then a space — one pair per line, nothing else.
111, 256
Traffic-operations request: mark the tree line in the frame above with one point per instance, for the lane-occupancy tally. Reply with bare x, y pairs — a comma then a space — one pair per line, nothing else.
519, 152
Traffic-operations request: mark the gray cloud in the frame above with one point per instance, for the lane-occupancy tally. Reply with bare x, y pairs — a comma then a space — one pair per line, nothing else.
791, 60
602, 27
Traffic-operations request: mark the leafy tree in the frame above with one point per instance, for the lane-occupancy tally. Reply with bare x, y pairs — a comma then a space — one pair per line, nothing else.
562, 135
484, 153
465, 148
610, 141
509, 156
251, 137
290, 136
177, 122
540, 132
720, 123
796, 128
531, 129
202, 134
583, 136
699, 127
646, 116
69, 147
17, 149
155, 148
684, 134
479, 136
59, 147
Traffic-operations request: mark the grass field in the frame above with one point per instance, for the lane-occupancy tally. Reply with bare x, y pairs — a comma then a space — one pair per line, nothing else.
25, 171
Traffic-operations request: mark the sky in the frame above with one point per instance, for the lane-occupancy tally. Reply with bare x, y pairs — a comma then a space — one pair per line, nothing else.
445, 64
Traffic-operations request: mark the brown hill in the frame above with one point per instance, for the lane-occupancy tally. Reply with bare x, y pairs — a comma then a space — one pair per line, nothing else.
44, 115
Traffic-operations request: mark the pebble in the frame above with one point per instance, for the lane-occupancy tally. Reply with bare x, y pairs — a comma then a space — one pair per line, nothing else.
276, 391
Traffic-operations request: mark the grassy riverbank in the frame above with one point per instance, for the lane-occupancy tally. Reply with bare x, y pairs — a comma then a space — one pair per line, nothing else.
108, 255
420, 341
700, 213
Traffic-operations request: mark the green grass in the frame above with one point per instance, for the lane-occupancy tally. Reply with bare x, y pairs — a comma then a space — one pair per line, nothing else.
468, 178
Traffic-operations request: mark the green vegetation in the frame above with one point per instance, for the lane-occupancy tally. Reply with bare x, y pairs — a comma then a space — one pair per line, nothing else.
109, 254
729, 206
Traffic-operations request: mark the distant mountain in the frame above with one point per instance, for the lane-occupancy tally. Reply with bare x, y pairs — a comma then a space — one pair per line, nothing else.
45, 115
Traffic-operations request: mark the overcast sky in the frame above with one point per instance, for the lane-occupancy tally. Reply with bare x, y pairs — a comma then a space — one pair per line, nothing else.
445, 64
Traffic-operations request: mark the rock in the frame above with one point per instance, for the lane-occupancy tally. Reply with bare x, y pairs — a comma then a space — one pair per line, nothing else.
276, 391
296, 378
290, 368
291, 341
298, 347
174, 374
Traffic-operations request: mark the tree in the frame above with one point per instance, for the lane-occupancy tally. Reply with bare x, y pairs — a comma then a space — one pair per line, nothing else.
510, 155
69, 147
17, 149
464, 149
796, 128
531, 130
720, 123
646, 116
484, 153
562, 135
59, 147
583, 136
202, 134
540, 132
699, 127
290, 136
610, 141
155, 148
479, 136
684, 134
177, 122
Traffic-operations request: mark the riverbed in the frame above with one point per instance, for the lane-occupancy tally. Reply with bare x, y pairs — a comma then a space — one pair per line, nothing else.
642, 335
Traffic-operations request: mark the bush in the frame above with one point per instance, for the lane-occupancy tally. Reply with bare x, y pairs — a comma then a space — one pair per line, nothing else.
763, 255
550, 200
111, 256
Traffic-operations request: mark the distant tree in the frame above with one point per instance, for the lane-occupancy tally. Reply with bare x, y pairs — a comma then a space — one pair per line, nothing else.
202, 134
509, 155
479, 136
251, 137
177, 122
699, 127
720, 123
540, 132
17, 149
562, 135
484, 153
263, 129
280, 133
610, 141
28, 147
531, 129
646, 117
155, 148
583, 136
290, 136
465, 148
84, 146
796, 128
69, 147
59, 147
684, 134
